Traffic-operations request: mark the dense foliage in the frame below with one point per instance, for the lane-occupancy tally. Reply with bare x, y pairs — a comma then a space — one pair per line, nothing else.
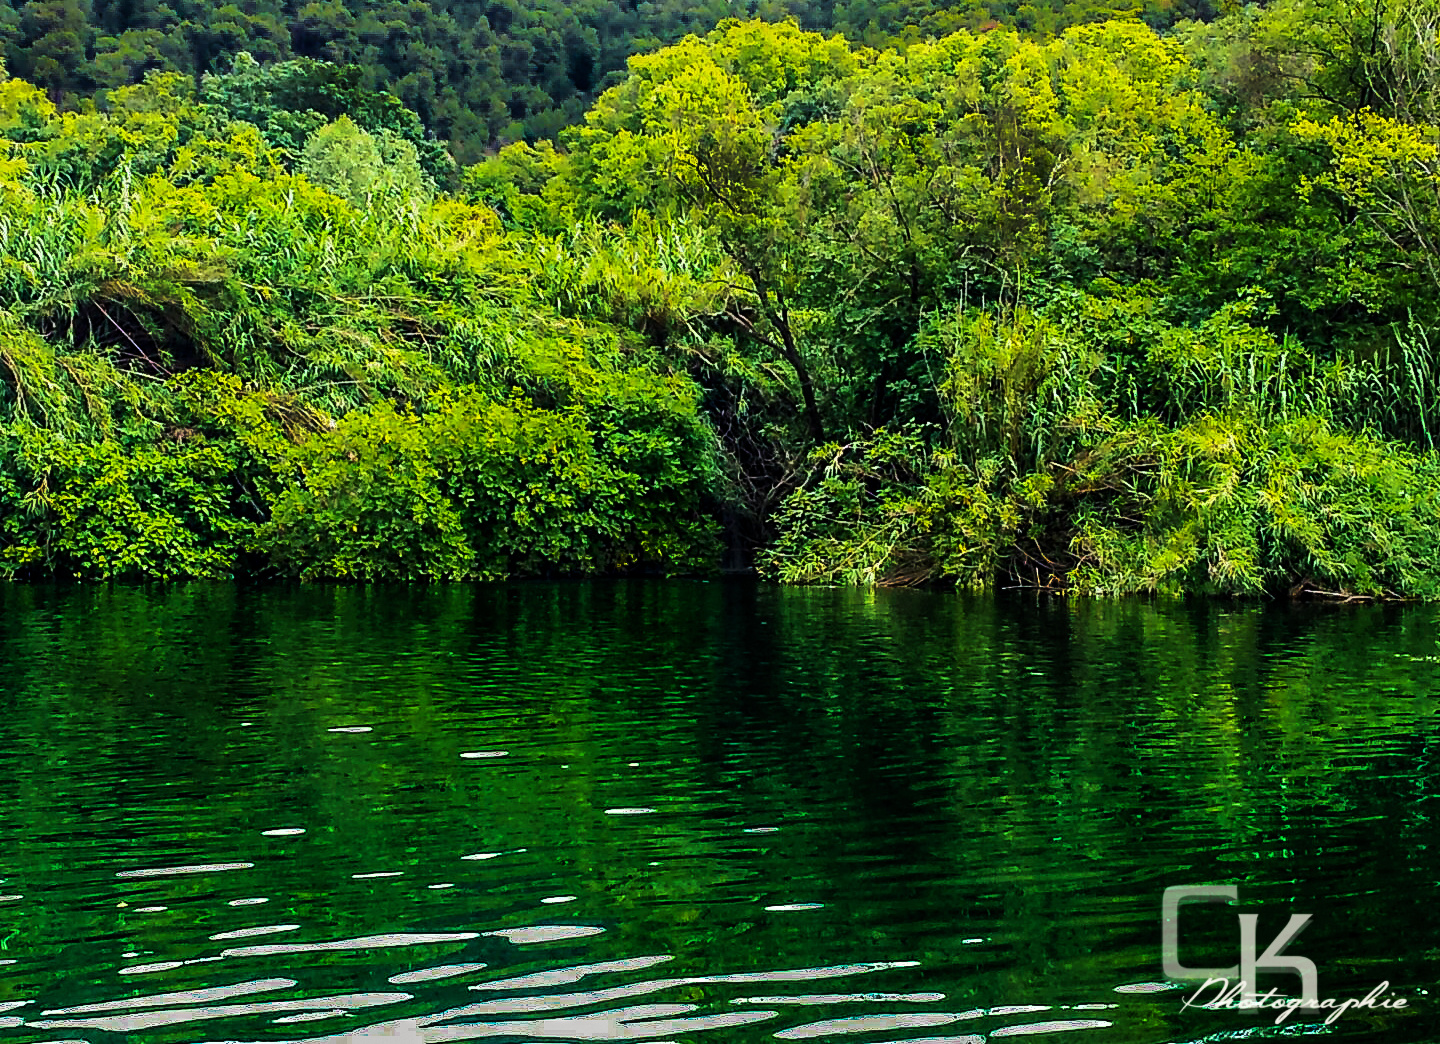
476, 71
1105, 310
212, 364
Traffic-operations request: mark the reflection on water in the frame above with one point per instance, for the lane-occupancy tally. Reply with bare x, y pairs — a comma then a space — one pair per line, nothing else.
718, 812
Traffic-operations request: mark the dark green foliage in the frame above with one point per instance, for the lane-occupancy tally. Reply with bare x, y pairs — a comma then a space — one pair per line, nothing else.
888, 510
1114, 453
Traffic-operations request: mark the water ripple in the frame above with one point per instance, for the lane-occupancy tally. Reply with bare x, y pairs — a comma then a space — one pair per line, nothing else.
202, 996
546, 933
1000, 790
248, 933
565, 976
204, 868
868, 1024
156, 1019
443, 971
1058, 1026
368, 942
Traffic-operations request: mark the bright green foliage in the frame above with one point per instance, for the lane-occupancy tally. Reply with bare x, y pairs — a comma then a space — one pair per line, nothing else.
290, 101
212, 366
484, 490
518, 183
479, 74
1143, 256
1389, 170
362, 168
879, 186
368, 507
104, 510
1233, 505
1225, 505
1012, 387
1098, 310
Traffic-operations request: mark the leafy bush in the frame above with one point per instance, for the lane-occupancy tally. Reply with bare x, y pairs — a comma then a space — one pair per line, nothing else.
364, 169
888, 510
1235, 505
1209, 459
104, 510
479, 489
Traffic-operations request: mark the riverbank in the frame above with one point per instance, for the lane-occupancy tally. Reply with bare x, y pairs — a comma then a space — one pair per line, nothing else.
1101, 312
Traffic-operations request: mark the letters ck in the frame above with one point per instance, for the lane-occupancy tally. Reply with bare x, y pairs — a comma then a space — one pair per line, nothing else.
1250, 962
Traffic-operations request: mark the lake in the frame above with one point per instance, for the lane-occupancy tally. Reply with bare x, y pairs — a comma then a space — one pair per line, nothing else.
723, 812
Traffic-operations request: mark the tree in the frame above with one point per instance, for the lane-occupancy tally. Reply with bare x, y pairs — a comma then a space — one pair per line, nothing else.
54, 37
291, 100
363, 168
694, 126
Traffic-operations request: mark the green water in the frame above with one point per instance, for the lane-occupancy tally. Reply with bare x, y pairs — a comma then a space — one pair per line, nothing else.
704, 812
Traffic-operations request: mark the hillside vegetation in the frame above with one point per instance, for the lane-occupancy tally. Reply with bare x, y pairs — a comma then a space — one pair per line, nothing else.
478, 72
1105, 311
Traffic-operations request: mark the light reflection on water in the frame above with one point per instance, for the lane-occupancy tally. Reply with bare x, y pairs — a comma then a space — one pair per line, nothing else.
955, 816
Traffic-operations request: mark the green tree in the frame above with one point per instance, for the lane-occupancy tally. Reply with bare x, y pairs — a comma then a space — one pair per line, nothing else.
364, 168
291, 100
51, 48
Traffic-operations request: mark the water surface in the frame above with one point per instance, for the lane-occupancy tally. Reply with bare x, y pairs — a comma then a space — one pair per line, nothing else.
699, 812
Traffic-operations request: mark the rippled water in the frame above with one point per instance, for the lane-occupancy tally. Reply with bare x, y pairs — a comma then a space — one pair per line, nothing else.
699, 812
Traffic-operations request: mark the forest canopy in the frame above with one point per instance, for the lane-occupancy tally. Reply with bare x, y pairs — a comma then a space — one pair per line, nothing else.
1105, 309
478, 73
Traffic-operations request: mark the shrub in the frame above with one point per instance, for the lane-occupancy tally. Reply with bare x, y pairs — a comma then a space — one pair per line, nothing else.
104, 510
483, 489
